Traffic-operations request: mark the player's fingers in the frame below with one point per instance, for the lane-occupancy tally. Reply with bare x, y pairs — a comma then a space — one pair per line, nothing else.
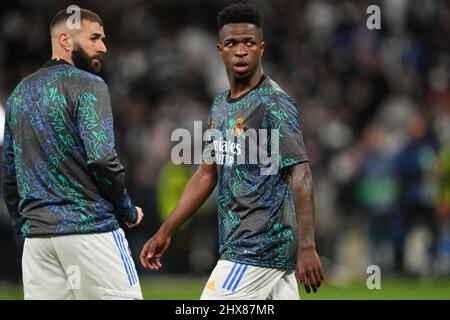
143, 260
146, 251
155, 263
307, 287
152, 265
304, 280
312, 280
321, 272
143, 257
151, 249
149, 262
158, 263
318, 278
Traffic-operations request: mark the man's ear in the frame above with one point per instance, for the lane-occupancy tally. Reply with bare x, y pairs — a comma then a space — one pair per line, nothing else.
219, 48
65, 40
263, 46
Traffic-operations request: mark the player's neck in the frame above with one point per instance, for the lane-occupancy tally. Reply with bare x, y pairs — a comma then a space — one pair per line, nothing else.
238, 87
64, 57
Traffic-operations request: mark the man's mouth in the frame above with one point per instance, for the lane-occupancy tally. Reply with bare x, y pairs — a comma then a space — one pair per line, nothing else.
96, 60
240, 67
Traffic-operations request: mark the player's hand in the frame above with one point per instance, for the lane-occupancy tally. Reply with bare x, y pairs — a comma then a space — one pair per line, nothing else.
309, 269
139, 219
153, 250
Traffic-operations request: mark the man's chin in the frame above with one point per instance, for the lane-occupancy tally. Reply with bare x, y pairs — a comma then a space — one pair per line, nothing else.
96, 67
242, 75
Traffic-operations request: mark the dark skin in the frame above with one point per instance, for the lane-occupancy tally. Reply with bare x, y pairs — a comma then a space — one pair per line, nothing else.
241, 48
309, 269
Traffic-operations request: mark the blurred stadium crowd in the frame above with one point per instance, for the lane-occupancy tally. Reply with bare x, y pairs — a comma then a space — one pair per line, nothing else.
375, 106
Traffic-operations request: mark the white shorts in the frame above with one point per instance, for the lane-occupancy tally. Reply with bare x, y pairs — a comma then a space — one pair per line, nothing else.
236, 281
82, 266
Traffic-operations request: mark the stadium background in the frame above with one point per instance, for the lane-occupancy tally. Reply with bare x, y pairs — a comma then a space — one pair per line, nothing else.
375, 106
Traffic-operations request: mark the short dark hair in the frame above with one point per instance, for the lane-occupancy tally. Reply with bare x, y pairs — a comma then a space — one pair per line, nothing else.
84, 15
239, 13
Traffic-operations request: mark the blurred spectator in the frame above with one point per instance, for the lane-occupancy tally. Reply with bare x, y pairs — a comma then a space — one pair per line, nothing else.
377, 194
413, 168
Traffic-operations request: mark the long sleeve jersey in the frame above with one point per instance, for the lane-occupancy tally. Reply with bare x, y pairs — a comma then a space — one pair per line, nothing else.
61, 172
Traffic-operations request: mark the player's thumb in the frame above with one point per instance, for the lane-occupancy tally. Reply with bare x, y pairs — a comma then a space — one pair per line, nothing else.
151, 250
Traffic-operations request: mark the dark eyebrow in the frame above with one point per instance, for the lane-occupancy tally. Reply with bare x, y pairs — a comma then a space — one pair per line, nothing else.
234, 38
98, 35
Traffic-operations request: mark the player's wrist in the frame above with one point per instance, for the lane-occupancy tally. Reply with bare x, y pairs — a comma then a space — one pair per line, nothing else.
307, 247
134, 216
130, 217
165, 230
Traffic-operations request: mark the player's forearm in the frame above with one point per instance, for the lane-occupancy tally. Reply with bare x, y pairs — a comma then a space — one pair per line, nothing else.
197, 191
302, 186
109, 174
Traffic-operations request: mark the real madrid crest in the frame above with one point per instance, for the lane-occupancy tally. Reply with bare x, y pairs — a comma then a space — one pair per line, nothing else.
239, 126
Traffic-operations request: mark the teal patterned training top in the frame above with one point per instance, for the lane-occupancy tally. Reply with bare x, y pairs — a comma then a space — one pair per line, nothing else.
256, 212
61, 172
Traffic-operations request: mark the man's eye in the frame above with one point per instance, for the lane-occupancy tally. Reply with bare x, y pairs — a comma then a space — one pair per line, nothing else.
230, 44
250, 43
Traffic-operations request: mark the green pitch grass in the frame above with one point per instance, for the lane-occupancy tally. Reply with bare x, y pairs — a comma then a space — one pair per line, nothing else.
188, 288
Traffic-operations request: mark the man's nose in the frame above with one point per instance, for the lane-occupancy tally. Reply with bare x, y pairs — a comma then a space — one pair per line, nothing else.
241, 50
101, 47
